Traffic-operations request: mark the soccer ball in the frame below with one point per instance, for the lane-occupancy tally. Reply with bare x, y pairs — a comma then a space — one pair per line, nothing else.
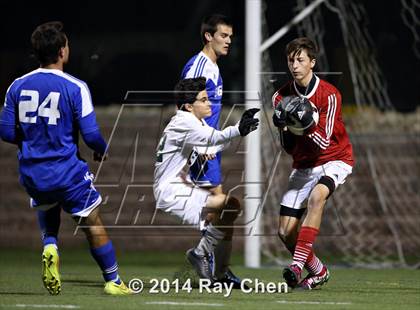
302, 114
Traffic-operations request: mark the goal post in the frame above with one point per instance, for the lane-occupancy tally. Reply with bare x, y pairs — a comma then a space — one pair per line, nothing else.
252, 154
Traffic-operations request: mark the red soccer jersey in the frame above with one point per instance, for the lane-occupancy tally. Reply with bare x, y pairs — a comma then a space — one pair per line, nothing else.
329, 140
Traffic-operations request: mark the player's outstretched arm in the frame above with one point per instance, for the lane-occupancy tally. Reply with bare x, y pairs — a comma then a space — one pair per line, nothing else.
247, 124
208, 136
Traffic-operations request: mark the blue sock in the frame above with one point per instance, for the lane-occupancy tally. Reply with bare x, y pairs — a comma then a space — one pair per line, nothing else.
49, 222
105, 257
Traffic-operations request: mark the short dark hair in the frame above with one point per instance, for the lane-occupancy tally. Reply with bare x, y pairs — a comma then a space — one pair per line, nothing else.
46, 40
296, 46
209, 24
186, 91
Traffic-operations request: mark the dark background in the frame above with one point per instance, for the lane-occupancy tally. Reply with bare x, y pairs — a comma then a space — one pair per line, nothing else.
143, 45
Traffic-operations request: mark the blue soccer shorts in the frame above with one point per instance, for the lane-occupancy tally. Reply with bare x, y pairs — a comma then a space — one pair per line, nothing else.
78, 200
208, 174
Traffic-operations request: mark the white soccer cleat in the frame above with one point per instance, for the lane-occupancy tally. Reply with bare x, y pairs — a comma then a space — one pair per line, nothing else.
312, 281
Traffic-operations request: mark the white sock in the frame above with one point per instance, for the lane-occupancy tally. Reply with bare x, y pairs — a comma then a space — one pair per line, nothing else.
209, 241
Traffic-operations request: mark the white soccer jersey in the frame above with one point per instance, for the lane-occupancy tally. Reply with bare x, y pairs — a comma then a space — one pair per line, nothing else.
177, 150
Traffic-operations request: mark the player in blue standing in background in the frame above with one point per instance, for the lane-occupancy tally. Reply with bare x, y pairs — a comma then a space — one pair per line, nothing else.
43, 113
216, 34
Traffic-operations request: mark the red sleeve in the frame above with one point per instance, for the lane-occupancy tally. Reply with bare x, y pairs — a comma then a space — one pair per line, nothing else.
287, 139
328, 113
285, 90
276, 98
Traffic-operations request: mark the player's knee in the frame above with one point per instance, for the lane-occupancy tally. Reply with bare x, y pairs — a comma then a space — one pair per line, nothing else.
328, 183
92, 219
320, 194
214, 206
217, 190
91, 223
218, 201
316, 201
231, 209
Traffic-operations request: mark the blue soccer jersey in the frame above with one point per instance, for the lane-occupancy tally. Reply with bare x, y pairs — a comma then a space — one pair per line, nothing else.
202, 66
49, 107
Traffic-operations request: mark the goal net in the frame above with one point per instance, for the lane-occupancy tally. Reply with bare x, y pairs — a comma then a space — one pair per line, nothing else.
371, 220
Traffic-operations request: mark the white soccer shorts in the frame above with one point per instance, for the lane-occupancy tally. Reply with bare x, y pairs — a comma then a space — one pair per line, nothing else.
302, 181
184, 200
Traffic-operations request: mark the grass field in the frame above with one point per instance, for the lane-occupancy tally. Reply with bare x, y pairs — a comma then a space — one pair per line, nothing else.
21, 286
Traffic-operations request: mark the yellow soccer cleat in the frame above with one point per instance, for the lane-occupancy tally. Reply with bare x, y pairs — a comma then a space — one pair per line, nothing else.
112, 288
50, 267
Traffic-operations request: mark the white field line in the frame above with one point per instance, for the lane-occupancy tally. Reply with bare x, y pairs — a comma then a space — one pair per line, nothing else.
173, 303
313, 302
43, 306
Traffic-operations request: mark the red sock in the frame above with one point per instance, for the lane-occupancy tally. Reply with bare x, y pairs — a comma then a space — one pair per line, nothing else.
313, 264
304, 244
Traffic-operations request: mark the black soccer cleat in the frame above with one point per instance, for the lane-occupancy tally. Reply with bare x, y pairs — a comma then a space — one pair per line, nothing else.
292, 275
229, 278
203, 265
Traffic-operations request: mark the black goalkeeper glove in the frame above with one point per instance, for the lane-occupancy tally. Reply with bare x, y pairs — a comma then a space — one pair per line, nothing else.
279, 117
248, 123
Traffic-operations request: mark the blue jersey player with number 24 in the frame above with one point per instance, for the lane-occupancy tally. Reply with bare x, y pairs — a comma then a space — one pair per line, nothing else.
43, 113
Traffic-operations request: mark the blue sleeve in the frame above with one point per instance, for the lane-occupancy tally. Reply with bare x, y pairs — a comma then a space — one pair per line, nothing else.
8, 126
91, 133
8, 133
